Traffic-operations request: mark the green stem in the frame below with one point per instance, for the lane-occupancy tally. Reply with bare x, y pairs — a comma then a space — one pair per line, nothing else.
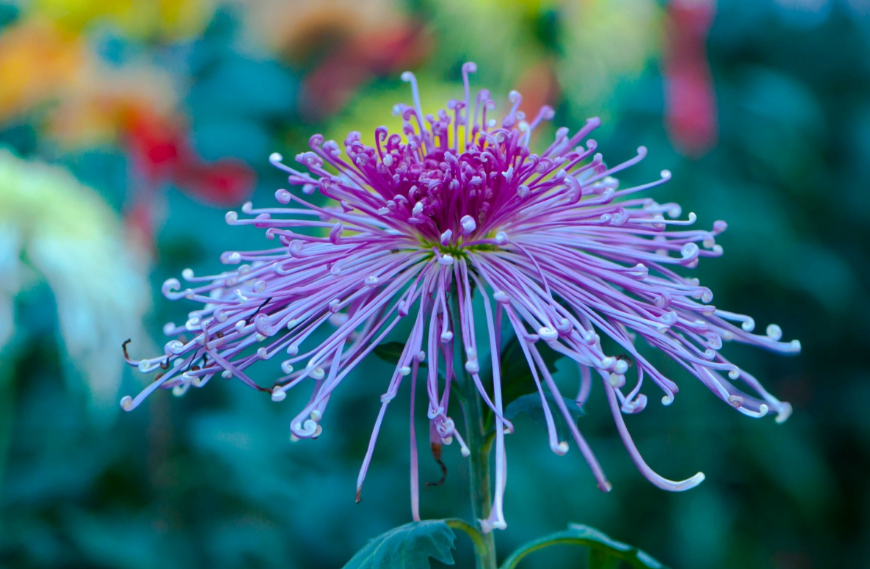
478, 443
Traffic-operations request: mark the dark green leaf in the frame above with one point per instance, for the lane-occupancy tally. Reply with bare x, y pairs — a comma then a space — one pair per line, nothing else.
517, 377
531, 405
602, 559
391, 352
407, 547
606, 553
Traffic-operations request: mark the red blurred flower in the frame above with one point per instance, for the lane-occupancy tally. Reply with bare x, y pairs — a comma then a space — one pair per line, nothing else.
539, 87
160, 149
226, 182
690, 103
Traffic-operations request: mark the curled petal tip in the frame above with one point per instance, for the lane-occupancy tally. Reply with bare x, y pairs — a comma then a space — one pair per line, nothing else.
278, 395
774, 332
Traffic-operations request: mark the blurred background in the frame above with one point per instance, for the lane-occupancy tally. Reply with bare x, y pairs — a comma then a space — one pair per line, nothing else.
127, 127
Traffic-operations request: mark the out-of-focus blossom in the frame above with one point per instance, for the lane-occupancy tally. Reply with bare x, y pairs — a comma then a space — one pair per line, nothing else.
549, 244
606, 43
161, 152
37, 61
73, 240
329, 87
166, 20
539, 86
302, 29
102, 104
87, 103
489, 29
594, 46
690, 113
346, 41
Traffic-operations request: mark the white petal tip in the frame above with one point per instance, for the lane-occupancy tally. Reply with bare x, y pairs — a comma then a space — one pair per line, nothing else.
278, 395
784, 413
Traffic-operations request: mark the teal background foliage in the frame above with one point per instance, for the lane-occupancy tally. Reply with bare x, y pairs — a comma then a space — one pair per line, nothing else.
212, 480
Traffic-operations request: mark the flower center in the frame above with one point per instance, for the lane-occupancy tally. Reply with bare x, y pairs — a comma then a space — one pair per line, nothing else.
449, 196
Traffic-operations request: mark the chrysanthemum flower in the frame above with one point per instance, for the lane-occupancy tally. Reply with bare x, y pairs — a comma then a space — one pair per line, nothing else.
457, 211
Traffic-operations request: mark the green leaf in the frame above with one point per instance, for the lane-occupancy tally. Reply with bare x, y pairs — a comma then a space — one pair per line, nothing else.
407, 547
391, 352
531, 405
601, 559
606, 553
516, 375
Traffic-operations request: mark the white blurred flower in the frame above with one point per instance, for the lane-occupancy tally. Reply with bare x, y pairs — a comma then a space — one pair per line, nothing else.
70, 237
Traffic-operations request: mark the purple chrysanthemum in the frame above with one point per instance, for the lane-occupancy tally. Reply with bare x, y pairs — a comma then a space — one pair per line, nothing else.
455, 205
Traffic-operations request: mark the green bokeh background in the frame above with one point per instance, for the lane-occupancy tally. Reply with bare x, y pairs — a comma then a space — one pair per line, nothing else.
211, 479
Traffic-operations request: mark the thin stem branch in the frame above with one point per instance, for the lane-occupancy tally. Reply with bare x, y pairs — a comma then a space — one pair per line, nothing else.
477, 538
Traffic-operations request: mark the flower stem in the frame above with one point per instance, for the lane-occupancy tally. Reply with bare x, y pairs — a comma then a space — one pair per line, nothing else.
479, 445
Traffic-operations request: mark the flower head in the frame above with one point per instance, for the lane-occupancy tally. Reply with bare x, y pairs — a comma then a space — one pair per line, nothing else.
457, 211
